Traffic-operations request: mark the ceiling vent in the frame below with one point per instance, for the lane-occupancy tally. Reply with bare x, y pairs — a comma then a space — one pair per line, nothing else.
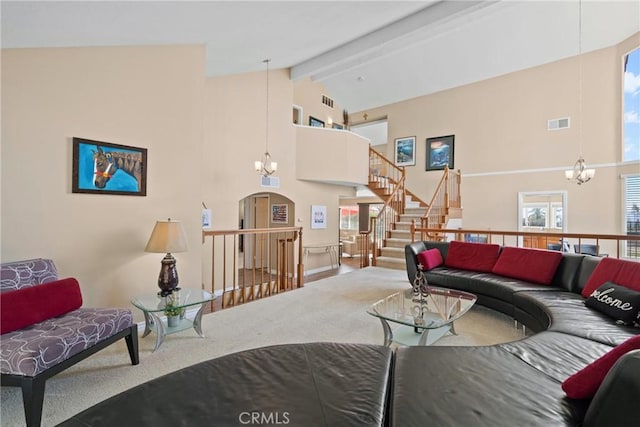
327, 101
557, 124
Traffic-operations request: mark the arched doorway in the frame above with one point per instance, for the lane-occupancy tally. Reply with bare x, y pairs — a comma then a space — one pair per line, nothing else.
262, 210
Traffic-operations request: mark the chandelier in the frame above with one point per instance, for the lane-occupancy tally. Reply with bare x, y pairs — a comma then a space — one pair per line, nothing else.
580, 174
266, 166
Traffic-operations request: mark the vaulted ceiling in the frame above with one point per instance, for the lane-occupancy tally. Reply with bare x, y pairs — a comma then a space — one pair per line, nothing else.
367, 53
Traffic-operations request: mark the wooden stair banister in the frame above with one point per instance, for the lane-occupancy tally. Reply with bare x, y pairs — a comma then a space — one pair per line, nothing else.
388, 182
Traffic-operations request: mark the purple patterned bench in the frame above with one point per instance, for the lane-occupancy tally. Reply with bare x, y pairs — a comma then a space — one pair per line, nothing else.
32, 354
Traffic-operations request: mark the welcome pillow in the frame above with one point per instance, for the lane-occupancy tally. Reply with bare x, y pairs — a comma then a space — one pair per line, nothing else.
472, 256
615, 301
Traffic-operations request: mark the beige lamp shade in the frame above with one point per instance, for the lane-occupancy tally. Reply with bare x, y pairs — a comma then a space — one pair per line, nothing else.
166, 237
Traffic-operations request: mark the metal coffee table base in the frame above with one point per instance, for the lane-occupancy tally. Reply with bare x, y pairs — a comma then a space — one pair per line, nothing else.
407, 335
152, 322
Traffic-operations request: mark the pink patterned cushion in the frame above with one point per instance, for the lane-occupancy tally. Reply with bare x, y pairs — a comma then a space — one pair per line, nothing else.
36, 348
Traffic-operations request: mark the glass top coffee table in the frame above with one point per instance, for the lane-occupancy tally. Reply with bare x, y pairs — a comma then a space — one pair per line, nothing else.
422, 320
153, 306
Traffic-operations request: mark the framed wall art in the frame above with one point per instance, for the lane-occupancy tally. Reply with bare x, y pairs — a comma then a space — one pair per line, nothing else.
280, 213
315, 122
106, 168
318, 216
337, 126
405, 151
440, 152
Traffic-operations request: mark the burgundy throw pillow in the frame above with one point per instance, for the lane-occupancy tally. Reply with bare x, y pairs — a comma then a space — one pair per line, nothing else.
533, 265
619, 271
584, 383
26, 306
472, 256
429, 259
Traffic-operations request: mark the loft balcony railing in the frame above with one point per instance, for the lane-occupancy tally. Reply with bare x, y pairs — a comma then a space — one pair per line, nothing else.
626, 246
251, 264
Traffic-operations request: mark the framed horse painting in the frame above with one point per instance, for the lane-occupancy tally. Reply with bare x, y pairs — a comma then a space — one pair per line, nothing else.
105, 168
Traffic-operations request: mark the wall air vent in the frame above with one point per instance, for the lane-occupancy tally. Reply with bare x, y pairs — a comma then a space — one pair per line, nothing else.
270, 181
327, 101
557, 124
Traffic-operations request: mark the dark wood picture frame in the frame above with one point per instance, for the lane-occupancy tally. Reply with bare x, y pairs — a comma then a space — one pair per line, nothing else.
440, 152
315, 122
106, 168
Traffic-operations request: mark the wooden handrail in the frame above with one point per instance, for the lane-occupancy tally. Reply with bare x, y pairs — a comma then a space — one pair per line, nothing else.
250, 282
549, 236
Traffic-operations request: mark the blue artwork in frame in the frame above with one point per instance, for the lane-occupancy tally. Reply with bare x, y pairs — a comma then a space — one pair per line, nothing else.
105, 168
440, 153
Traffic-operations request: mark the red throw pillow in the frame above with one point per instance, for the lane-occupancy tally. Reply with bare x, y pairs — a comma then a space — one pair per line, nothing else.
619, 271
472, 256
584, 383
429, 259
34, 304
533, 265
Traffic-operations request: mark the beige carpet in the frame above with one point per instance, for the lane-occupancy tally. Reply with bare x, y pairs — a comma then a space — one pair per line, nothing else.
331, 309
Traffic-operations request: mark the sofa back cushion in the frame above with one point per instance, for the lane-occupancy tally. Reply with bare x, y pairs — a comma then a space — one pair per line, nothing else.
619, 271
472, 256
533, 265
27, 306
21, 274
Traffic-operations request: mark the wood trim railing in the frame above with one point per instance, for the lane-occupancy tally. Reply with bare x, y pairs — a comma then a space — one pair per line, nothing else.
445, 197
612, 245
271, 263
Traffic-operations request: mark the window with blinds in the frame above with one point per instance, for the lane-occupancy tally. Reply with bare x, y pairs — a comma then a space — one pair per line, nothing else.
632, 213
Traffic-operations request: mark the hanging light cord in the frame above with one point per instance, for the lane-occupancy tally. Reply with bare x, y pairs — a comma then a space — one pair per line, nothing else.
266, 61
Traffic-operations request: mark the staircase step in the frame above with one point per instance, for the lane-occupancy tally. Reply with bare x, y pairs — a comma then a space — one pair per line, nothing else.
393, 263
392, 252
397, 243
401, 234
415, 211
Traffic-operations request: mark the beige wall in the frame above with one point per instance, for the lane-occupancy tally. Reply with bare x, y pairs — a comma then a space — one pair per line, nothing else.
502, 145
148, 97
234, 128
308, 94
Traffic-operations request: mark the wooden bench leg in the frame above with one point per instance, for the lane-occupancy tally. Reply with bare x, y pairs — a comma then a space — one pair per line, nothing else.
32, 398
132, 345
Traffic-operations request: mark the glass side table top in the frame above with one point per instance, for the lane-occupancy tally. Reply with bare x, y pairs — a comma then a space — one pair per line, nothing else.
186, 297
153, 307
434, 312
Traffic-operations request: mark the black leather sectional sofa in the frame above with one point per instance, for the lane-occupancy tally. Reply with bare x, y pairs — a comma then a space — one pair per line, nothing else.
332, 384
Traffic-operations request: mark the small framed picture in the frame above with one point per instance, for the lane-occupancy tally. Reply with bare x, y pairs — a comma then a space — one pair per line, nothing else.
440, 153
337, 126
405, 152
315, 122
280, 214
318, 216
106, 168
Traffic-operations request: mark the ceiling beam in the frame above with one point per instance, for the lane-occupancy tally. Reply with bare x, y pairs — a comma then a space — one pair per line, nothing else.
398, 35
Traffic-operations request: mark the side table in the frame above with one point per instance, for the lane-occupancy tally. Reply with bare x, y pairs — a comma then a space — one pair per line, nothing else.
153, 306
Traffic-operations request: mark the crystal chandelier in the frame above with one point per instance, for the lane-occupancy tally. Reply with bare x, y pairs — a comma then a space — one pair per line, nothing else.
266, 166
580, 174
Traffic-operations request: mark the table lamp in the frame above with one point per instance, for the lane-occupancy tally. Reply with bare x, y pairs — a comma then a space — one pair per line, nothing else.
167, 236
